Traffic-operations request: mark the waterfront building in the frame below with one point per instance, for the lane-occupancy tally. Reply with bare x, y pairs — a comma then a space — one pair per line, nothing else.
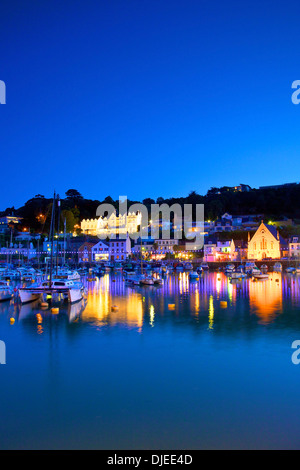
119, 248
157, 248
165, 246
294, 247
100, 251
216, 250
47, 246
240, 250
114, 224
29, 252
266, 243
146, 245
85, 252
209, 250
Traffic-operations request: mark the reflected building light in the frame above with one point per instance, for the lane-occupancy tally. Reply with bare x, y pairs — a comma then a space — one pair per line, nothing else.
152, 315
211, 313
197, 300
230, 290
266, 298
219, 283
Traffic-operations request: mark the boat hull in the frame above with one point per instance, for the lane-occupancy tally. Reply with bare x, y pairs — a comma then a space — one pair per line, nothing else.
27, 296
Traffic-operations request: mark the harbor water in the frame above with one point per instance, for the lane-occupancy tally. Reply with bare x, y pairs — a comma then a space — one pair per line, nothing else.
185, 365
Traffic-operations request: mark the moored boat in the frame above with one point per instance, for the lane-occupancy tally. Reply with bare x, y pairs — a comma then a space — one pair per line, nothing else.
57, 290
277, 267
6, 291
259, 275
194, 276
290, 270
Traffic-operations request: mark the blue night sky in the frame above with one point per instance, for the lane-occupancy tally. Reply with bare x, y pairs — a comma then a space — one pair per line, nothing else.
147, 98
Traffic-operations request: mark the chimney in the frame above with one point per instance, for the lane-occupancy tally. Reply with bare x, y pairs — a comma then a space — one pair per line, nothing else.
248, 236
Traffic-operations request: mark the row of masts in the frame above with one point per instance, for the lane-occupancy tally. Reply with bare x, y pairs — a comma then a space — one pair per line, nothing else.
56, 202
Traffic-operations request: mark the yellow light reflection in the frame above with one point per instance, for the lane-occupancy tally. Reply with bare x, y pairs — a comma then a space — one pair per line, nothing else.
211, 313
152, 315
266, 297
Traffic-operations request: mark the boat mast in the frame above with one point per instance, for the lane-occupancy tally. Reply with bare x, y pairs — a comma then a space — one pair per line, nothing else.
64, 241
58, 221
52, 237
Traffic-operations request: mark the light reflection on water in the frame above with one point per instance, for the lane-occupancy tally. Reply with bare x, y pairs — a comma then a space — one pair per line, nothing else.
126, 369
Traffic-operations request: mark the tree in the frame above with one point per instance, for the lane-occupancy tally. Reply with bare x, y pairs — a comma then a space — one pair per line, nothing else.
109, 200
73, 194
148, 201
70, 220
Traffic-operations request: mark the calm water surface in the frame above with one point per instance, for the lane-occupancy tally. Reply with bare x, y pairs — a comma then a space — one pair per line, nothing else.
145, 376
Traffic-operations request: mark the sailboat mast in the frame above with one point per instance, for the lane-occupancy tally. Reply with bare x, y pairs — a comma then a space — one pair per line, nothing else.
64, 241
58, 221
52, 236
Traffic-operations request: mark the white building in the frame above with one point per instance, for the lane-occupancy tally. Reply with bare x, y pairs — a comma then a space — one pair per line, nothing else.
166, 246
294, 247
28, 253
219, 250
100, 251
119, 248
105, 226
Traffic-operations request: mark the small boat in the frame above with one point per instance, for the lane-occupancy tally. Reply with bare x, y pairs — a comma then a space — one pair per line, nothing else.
188, 266
238, 275
229, 268
6, 291
254, 271
118, 267
290, 270
179, 267
147, 281
264, 267
58, 289
260, 275
68, 275
204, 266
194, 276
199, 270
249, 266
277, 267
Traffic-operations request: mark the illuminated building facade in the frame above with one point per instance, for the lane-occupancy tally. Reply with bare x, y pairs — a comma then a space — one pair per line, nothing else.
114, 224
294, 247
219, 250
266, 243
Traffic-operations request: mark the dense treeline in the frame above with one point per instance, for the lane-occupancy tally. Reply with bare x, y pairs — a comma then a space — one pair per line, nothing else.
273, 203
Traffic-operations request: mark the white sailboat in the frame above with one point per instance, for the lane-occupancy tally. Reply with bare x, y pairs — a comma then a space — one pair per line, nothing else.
57, 288
6, 291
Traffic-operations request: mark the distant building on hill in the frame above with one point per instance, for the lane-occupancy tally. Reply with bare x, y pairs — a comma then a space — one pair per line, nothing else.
277, 186
114, 224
